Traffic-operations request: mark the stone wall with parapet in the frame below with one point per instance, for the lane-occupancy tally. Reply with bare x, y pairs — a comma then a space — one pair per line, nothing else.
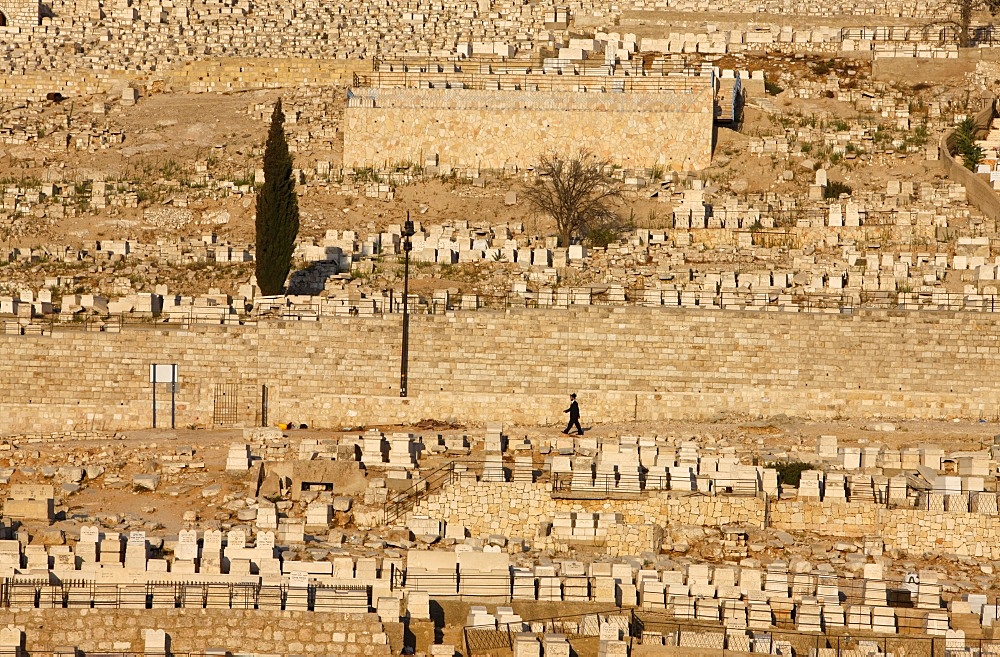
627, 364
496, 129
225, 74
912, 531
34, 86
516, 509
242, 74
195, 630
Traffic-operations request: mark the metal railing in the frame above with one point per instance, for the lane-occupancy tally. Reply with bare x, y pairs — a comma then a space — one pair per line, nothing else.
642, 482
965, 502
71, 651
499, 639
711, 639
646, 628
42, 594
109, 323
400, 503
532, 81
664, 299
983, 502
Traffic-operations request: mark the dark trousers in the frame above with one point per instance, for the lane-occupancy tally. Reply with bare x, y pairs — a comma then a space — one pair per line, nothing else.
574, 421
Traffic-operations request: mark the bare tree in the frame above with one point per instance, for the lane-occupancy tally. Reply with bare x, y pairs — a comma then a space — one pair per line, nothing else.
576, 192
961, 12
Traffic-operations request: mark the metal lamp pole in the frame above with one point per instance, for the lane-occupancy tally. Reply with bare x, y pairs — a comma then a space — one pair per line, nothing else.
407, 247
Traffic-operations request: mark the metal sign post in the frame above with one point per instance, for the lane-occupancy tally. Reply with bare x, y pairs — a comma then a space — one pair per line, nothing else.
165, 374
408, 232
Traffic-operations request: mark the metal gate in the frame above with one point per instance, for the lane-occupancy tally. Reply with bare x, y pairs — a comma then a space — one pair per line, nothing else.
239, 404
226, 411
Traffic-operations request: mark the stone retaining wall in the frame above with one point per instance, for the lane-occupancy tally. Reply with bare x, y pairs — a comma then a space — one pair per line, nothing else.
498, 129
979, 192
912, 531
853, 520
21, 14
194, 631
627, 363
517, 509
225, 74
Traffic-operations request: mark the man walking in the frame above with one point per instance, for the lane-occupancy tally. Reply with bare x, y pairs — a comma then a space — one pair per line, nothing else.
574, 415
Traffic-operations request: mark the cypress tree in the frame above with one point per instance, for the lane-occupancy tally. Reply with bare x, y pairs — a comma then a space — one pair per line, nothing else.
277, 210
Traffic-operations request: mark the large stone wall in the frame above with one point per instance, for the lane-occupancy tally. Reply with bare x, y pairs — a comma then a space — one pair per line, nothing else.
496, 129
627, 363
909, 530
211, 74
195, 631
516, 509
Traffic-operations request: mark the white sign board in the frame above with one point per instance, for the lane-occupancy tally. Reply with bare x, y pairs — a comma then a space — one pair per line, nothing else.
163, 374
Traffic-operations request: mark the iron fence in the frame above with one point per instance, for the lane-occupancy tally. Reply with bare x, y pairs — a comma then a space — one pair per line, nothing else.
72, 651
499, 639
43, 594
664, 299
644, 628
713, 639
400, 503
609, 484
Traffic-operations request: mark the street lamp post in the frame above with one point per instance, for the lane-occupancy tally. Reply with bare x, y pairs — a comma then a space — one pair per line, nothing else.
407, 247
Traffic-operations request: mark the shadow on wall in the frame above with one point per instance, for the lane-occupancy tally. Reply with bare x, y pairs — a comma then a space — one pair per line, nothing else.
312, 280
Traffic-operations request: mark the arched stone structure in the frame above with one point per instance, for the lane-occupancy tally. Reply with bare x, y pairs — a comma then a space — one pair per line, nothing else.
24, 14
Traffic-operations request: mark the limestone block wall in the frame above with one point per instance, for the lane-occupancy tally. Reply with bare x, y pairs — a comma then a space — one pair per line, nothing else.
217, 75
36, 85
969, 534
494, 129
913, 531
79, 380
195, 630
240, 74
853, 520
630, 539
516, 509
627, 363
23, 14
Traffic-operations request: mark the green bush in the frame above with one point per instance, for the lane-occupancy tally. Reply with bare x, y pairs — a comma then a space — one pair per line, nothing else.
772, 88
834, 188
790, 472
965, 144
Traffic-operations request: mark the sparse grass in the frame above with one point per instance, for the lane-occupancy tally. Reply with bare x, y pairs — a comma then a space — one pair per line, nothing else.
170, 169
367, 174
247, 178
